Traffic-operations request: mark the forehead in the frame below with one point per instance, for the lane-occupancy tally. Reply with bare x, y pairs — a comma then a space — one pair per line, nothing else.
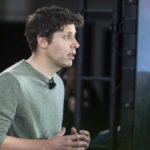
69, 28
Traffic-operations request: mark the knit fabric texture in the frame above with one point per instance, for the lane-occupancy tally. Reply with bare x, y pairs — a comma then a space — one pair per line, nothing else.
28, 108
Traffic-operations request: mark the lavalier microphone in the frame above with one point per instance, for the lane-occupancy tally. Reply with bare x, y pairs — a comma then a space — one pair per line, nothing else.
51, 84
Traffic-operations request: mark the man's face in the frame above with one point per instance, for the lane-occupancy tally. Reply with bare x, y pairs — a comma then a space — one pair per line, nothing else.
61, 51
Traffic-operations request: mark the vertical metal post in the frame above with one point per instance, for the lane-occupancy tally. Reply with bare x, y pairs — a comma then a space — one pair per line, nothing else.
79, 71
79, 81
113, 79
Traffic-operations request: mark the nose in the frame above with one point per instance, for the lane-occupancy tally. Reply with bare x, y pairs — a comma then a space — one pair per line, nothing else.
75, 44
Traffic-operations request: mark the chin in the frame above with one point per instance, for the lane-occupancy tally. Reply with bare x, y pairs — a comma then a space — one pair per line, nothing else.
69, 65
65, 65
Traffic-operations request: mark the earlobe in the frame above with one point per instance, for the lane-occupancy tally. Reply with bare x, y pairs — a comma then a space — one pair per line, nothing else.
42, 42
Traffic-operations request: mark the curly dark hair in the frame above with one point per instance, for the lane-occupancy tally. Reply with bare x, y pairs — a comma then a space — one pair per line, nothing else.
46, 21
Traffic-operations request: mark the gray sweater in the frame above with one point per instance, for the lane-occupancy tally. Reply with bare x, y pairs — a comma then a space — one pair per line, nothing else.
28, 108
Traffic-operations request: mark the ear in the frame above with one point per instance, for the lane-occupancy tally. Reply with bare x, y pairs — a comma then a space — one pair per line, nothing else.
42, 42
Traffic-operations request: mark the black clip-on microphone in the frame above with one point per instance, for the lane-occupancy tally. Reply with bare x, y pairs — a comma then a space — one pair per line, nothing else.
51, 84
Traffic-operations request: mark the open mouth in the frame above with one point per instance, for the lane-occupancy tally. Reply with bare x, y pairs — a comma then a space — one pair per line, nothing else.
71, 56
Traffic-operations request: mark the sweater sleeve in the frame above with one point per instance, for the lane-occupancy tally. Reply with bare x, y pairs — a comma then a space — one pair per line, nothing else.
8, 103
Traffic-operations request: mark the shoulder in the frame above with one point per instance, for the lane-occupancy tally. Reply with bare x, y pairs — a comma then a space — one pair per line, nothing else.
8, 80
8, 76
15, 68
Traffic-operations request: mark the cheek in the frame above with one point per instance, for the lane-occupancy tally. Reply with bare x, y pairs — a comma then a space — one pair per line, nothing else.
61, 47
58, 49
61, 50
56, 53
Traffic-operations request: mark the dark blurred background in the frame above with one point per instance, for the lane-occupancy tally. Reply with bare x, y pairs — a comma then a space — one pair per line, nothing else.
107, 90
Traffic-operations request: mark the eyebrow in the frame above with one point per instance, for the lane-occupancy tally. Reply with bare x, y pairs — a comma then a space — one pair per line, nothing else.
71, 32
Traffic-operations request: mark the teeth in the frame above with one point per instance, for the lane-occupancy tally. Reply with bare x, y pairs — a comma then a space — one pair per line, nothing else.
70, 54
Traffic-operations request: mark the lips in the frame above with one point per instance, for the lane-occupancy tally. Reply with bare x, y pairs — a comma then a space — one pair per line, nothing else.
71, 56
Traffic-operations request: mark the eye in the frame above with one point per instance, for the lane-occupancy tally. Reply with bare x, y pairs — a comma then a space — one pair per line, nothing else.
67, 37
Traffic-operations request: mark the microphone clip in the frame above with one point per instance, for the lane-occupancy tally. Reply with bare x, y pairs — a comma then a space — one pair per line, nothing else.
51, 84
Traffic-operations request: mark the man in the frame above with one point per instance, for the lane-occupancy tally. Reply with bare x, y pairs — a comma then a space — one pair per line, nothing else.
31, 93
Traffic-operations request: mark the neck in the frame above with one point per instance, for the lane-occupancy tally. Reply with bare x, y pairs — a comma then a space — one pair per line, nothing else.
42, 65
